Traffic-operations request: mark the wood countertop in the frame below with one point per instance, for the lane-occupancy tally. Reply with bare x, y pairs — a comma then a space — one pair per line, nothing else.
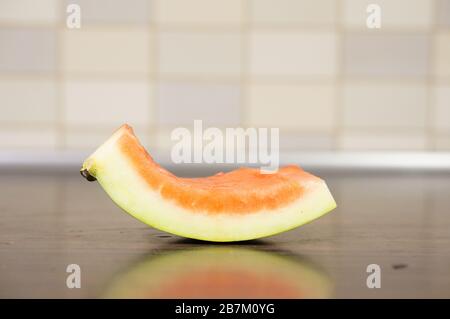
400, 222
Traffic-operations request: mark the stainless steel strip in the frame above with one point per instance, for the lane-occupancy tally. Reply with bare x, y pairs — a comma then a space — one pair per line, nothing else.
319, 160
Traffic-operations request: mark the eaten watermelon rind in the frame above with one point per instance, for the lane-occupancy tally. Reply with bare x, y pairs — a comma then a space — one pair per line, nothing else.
126, 186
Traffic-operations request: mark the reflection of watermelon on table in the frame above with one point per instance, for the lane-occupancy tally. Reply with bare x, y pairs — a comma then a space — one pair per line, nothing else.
221, 272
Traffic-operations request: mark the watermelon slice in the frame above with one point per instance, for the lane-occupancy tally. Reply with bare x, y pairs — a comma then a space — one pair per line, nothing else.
240, 205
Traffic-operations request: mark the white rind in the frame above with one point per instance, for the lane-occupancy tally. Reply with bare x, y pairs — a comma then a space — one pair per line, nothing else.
132, 193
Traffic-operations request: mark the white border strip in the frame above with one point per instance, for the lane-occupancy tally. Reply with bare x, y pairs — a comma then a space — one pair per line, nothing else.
316, 160
374, 160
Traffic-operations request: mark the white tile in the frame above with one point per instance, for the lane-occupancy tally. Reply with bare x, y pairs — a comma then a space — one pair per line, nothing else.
442, 108
442, 142
101, 50
385, 105
163, 140
394, 13
108, 103
199, 53
29, 11
77, 139
28, 138
295, 141
28, 50
293, 12
131, 12
199, 12
180, 103
290, 106
382, 141
290, 53
28, 101
442, 54
443, 13
392, 54
85, 140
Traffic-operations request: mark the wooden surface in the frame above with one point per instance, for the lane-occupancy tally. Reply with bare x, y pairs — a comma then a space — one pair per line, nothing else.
398, 221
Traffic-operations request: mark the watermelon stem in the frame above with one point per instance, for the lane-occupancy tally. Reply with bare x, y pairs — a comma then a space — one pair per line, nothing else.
85, 173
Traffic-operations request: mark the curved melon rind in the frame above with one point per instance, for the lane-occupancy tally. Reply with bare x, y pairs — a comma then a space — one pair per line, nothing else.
131, 192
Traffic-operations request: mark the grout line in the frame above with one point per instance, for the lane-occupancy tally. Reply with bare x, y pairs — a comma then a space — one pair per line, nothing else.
339, 80
60, 104
200, 28
19, 25
244, 78
430, 133
35, 76
263, 79
215, 28
101, 128
387, 31
227, 28
151, 131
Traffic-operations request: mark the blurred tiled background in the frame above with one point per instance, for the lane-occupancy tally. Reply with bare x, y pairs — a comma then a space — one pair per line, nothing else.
309, 67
